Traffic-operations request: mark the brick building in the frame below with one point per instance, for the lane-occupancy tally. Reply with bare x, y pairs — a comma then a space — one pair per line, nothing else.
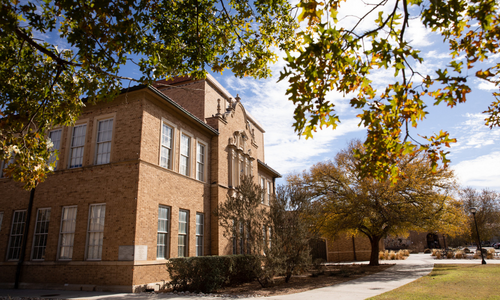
136, 183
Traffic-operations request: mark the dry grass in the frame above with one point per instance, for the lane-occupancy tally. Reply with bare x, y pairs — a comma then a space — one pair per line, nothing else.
391, 255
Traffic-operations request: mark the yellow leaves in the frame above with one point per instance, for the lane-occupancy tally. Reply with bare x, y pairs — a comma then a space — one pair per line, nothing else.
310, 11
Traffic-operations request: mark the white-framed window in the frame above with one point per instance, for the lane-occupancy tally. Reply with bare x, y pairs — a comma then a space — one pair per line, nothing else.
242, 167
103, 143
55, 137
1, 219
167, 140
235, 241
269, 236
77, 146
162, 238
247, 236
263, 187
16, 234
268, 192
67, 233
184, 157
200, 162
234, 170
4, 165
183, 233
41, 233
264, 238
200, 225
95, 231
241, 246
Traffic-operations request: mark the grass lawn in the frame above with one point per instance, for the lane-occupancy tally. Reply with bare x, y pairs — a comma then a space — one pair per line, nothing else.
452, 282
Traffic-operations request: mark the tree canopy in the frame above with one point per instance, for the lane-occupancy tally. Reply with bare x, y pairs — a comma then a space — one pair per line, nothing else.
351, 203
328, 55
55, 54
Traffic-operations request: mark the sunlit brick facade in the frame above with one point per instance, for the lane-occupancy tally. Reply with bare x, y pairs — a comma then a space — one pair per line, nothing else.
136, 183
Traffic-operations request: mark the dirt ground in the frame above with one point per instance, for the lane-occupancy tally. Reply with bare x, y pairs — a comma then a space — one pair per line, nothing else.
331, 275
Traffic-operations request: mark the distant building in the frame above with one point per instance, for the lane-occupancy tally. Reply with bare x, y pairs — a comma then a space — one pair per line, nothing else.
136, 183
417, 241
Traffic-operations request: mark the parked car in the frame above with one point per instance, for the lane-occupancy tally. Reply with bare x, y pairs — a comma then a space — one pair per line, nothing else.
496, 245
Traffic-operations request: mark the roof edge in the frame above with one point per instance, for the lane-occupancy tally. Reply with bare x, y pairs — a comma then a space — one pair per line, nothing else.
182, 109
278, 175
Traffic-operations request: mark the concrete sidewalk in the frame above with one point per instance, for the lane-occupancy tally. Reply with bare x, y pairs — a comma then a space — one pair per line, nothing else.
405, 271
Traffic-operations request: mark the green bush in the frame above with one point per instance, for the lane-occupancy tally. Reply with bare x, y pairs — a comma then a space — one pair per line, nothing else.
209, 273
243, 268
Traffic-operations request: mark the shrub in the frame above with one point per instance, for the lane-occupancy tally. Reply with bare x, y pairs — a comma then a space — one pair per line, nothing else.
427, 251
489, 255
381, 255
437, 254
318, 267
243, 268
434, 252
392, 255
459, 254
450, 254
466, 250
209, 273
491, 251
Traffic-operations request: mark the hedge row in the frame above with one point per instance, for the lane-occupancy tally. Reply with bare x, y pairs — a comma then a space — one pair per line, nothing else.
209, 273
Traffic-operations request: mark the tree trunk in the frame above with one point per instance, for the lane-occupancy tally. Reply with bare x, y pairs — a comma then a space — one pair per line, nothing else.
374, 241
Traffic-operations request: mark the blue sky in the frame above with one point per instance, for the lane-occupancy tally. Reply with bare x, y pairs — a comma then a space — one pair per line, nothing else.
475, 157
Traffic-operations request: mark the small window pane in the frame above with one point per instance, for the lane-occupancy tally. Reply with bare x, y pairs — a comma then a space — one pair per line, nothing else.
41, 233
166, 146
184, 157
183, 233
67, 234
200, 162
163, 232
96, 231
199, 233
104, 134
16, 235
55, 137
77, 146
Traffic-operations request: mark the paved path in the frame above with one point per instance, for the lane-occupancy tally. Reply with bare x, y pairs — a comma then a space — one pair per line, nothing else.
405, 271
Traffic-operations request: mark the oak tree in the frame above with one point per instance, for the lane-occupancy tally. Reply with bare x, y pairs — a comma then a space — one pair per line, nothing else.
355, 204
55, 54
327, 55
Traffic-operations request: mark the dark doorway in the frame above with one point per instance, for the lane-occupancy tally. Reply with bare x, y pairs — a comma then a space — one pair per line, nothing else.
433, 241
318, 249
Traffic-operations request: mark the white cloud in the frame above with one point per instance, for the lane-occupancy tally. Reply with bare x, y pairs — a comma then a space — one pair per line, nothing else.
485, 85
482, 172
436, 55
284, 149
294, 154
418, 34
473, 134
